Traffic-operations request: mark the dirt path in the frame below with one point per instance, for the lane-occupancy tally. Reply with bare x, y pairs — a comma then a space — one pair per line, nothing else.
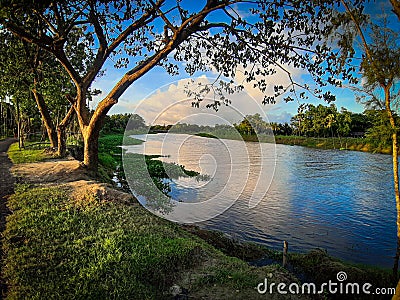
6, 188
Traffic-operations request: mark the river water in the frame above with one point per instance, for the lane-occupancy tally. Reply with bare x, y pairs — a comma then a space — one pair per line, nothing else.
340, 201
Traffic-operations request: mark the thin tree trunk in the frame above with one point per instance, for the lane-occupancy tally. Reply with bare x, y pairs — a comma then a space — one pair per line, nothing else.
62, 139
396, 189
395, 175
19, 135
47, 121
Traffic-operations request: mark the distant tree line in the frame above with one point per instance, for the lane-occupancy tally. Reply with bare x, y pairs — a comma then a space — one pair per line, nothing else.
327, 121
311, 121
118, 123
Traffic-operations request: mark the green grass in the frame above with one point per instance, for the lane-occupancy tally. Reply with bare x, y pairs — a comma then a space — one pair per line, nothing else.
110, 151
27, 155
356, 144
207, 135
56, 248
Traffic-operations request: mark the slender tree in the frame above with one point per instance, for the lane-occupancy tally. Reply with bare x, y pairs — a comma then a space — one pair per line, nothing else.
141, 35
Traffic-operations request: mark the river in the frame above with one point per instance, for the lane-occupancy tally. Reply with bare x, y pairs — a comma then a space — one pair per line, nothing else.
340, 201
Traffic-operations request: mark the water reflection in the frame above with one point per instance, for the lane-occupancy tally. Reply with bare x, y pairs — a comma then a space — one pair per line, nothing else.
340, 201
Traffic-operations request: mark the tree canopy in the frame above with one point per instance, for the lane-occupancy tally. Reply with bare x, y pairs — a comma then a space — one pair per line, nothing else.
209, 35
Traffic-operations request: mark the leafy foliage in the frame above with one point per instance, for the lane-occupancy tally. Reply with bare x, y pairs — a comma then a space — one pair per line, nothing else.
213, 35
118, 123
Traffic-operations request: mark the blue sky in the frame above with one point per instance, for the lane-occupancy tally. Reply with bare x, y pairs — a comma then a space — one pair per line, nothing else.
156, 82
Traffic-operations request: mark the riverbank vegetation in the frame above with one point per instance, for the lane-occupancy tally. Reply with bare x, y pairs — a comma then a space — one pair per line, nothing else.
56, 247
319, 126
59, 243
99, 247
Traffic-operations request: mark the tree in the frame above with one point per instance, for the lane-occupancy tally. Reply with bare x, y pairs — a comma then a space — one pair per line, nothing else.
26, 68
380, 66
121, 122
380, 133
245, 127
259, 125
149, 34
343, 121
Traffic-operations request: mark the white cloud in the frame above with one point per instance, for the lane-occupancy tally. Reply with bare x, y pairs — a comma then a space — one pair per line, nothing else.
279, 78
170, 105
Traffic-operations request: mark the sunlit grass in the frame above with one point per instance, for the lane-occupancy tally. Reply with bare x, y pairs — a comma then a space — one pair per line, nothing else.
99, 251
27, 155
356, 144
55, 248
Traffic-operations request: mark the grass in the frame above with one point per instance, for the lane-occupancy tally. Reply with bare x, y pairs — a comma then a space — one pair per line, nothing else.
56, 248
27, 155
101, 250
207, 135
110, 152
356, 144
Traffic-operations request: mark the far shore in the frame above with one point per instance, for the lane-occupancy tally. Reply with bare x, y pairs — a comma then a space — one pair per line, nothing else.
335, 143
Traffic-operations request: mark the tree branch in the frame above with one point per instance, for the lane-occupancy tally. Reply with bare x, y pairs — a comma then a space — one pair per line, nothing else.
164, 17
48, 23
105, 50
72, 21
359, 30
44, 42
396, 7
68, 117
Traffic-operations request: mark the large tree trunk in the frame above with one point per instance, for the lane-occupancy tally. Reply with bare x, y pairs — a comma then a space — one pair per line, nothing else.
47, 121
91, 131
91, 149
395, 174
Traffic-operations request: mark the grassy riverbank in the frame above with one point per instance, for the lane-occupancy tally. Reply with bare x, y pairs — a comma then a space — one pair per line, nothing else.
355, 144
32, 153
59, 246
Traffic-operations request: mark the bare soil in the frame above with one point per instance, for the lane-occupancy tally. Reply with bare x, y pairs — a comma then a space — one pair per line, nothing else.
72, 176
